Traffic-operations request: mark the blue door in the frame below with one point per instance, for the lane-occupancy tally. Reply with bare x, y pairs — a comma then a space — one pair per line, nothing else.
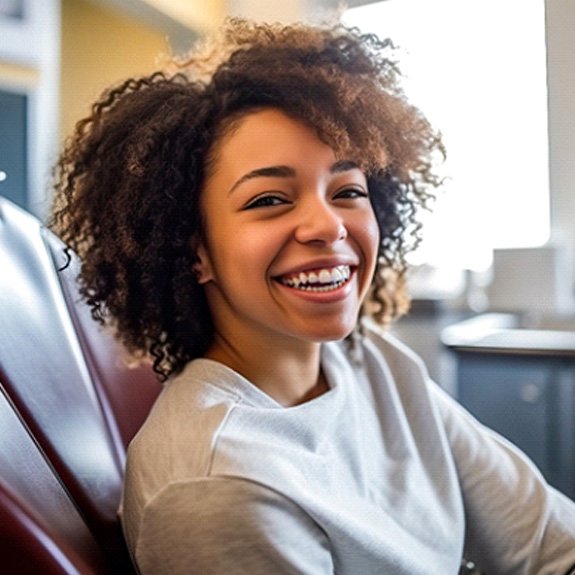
13, 147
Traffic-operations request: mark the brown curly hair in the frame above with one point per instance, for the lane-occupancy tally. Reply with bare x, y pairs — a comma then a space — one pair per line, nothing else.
129, 180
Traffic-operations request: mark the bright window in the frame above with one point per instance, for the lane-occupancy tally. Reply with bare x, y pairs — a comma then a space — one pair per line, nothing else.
478, 72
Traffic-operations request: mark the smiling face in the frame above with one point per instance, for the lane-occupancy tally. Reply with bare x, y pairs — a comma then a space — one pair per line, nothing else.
290, 241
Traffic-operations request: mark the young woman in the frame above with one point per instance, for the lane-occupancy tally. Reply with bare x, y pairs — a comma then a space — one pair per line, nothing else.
238, 222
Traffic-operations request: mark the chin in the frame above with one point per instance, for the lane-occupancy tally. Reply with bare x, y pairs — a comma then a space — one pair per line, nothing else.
335, 334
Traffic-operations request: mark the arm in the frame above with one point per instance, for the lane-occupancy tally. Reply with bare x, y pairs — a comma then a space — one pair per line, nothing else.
516, 522
228, 526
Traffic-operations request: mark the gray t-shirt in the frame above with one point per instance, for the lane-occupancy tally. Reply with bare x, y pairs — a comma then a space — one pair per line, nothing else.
383, 474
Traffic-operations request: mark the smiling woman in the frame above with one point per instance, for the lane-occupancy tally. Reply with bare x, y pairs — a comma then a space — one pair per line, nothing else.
332, 82
279, 222
238, 221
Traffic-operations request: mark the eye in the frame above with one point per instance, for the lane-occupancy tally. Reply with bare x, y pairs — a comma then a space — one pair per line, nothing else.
265, 201
351, 193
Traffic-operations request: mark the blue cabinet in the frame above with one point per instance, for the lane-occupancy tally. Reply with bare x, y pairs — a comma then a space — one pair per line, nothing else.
531, 402
520, 384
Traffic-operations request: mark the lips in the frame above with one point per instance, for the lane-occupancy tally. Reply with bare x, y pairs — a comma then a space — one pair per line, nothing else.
318, 280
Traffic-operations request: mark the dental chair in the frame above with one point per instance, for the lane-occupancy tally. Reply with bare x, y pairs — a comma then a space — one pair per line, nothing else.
69, 405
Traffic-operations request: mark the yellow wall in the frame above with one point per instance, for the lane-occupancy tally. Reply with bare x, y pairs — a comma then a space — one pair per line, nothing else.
100, 47
200, 15
17, 76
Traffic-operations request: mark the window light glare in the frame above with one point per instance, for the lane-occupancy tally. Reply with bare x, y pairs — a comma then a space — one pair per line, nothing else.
478, 72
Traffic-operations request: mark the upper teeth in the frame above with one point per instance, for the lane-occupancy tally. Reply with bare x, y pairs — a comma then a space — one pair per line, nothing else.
323, 276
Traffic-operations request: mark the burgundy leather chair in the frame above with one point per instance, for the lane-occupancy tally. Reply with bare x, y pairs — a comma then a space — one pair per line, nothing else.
69, 405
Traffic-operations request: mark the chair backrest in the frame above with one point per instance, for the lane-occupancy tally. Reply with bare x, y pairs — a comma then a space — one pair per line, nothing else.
69, 401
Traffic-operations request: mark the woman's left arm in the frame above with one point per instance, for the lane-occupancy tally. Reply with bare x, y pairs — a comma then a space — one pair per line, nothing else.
516, 522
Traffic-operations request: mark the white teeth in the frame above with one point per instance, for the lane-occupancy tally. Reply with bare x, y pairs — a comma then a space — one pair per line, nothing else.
327, 278
337, 275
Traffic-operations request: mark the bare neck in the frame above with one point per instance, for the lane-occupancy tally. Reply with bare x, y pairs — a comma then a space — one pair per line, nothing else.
289, 374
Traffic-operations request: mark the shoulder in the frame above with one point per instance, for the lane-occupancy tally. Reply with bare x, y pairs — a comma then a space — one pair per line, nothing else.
396, 378
381, 341
386, 358
178, 438
176, 444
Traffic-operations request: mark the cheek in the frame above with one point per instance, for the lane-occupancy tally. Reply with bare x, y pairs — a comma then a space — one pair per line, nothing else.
241, 252
374, 232
368, 236
370, 246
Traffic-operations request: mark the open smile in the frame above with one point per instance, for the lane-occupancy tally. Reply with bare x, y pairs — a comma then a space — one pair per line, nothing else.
320, 280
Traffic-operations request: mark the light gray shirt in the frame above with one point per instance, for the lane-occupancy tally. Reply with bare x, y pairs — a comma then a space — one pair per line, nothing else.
383, 474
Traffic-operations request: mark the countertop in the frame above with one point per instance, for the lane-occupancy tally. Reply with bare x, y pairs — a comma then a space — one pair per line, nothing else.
508, 333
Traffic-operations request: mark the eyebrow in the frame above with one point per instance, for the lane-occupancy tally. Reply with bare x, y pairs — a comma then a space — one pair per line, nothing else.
269, 172
288, 172
343, 166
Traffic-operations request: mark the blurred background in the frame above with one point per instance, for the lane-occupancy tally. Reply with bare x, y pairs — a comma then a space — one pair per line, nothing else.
494, 281
495, 77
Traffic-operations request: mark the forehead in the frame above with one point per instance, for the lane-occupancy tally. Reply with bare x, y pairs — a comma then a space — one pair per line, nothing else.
267, 125
267, 137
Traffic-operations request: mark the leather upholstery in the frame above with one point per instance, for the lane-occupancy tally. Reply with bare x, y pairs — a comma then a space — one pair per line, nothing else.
69, 405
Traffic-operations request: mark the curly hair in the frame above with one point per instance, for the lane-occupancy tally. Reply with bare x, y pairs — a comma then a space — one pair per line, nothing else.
128, 182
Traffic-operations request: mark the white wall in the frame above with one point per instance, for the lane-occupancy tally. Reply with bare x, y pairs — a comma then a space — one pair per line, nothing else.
560, 24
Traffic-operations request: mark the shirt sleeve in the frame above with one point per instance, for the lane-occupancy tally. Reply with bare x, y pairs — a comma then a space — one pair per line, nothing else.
516, 522
228, 526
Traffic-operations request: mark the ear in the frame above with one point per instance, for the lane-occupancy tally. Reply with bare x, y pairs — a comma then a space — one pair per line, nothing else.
203, 266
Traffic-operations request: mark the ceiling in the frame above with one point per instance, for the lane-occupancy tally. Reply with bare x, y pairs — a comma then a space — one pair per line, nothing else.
178, 17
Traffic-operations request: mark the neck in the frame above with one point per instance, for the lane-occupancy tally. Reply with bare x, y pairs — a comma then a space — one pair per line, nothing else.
290, 374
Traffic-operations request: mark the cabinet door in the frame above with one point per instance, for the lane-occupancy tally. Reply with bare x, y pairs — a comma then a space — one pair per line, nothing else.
513, 397
13, 147
562, 449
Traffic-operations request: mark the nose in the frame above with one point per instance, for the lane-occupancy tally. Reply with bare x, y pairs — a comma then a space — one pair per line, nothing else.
320, 223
